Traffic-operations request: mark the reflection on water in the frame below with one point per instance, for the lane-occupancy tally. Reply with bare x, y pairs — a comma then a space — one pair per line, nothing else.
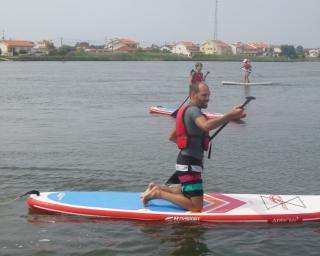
182, 239
135, 237
177, 238
247, 90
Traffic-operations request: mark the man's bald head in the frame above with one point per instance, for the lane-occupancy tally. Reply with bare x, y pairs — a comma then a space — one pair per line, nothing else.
199, 94
195, 87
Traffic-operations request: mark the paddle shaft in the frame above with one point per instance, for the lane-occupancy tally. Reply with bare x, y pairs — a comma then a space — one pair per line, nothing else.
248, 99
174, 114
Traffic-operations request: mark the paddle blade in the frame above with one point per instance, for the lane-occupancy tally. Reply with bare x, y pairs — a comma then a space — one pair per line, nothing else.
248, 99
174, 114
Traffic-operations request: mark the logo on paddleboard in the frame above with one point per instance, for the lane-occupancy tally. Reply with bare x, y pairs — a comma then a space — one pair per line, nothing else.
183, 219
60, 196
219, 203
273, 201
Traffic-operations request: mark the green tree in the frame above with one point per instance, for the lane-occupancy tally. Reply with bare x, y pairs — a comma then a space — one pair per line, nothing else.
66, 49
300, 51
288, 51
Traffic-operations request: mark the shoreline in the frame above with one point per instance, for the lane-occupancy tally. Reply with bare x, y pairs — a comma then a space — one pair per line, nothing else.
151, 56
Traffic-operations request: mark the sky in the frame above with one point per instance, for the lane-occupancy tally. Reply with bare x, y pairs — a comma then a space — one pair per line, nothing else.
149, 22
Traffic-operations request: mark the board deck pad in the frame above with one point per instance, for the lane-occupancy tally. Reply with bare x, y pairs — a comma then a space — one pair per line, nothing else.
217, 207
168, 111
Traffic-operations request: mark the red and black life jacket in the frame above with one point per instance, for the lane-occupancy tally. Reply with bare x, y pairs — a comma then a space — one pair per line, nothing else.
197, 77
181, 131
247, 67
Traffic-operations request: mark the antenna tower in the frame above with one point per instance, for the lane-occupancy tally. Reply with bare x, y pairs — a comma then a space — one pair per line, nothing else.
215, 34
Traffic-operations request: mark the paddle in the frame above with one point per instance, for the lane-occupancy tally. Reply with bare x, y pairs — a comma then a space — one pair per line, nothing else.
205, 76
174, 113
248, 99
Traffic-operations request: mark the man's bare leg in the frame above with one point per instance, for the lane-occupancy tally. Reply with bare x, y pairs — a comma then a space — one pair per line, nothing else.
151, 185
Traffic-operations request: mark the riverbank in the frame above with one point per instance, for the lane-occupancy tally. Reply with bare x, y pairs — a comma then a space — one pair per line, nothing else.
150, 56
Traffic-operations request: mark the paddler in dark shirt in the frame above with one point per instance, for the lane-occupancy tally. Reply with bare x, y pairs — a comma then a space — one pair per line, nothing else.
189, 194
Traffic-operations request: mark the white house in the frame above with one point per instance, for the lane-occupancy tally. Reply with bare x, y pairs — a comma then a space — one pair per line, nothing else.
215, 47
15, 47
263, 49
122, 45
187, 48
277, 51
42, 48
244, 49
313, 52
166, 48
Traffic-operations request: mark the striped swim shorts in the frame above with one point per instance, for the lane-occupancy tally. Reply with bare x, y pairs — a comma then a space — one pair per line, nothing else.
189, 170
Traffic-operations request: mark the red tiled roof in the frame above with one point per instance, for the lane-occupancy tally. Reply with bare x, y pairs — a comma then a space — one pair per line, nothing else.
220, 43
127, 41
187, 43
18, 43
262, 46
244, 46
125, 49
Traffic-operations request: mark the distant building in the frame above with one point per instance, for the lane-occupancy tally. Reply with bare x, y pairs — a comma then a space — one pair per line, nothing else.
15, 47
244, 49
166, 48
42, 48
187, 48
312, 52
122, 45
215, 47
152, 48
277, 51
263, 49
82, 45
155, 46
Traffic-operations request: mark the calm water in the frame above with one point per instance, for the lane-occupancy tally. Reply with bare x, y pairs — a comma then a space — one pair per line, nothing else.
86, 126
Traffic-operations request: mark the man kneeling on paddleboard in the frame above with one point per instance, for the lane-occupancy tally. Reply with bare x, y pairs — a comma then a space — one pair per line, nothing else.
191, 135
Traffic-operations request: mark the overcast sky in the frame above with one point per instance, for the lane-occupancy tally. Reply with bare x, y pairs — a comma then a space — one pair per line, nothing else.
294, 22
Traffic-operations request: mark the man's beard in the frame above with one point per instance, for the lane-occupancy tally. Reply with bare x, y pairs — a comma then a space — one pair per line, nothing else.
204, 105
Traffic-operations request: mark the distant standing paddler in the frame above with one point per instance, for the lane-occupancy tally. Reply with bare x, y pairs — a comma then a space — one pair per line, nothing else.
196, 75
246, 67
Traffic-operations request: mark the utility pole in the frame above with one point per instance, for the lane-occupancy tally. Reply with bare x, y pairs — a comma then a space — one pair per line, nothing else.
215, 34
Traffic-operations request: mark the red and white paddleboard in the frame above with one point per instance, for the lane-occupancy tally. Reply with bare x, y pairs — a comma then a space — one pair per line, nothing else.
217, 207
168, 111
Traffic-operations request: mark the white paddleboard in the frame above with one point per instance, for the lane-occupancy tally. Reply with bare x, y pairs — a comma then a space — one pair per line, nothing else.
218, 207
241, 83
